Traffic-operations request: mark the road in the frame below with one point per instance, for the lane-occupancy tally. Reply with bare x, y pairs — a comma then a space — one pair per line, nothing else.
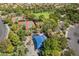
3, 30
73, 33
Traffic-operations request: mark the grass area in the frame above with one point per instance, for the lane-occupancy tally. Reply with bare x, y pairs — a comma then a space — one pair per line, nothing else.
46, 14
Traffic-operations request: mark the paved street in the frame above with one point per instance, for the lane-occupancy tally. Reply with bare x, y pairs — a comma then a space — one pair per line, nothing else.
73, 33
3, 31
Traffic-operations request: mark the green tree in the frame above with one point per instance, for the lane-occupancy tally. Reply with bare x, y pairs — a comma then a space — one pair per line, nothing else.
21, 33
6, 46
8, 21
4, 13
49, 24
14, 27
14, 38
70, 52
71, 12
41, 18
21, 50
54, 15
63, 42
51, 47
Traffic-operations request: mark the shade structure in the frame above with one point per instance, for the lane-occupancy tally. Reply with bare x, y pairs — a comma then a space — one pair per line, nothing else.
38, 40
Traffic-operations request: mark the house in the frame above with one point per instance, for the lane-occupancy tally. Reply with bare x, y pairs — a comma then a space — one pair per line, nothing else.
23, 22
17, 18
26, 23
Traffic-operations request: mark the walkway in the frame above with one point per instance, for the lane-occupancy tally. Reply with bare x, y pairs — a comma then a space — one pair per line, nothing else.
30, 46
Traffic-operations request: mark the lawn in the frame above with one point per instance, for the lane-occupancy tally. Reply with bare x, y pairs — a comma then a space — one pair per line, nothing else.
46, 14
